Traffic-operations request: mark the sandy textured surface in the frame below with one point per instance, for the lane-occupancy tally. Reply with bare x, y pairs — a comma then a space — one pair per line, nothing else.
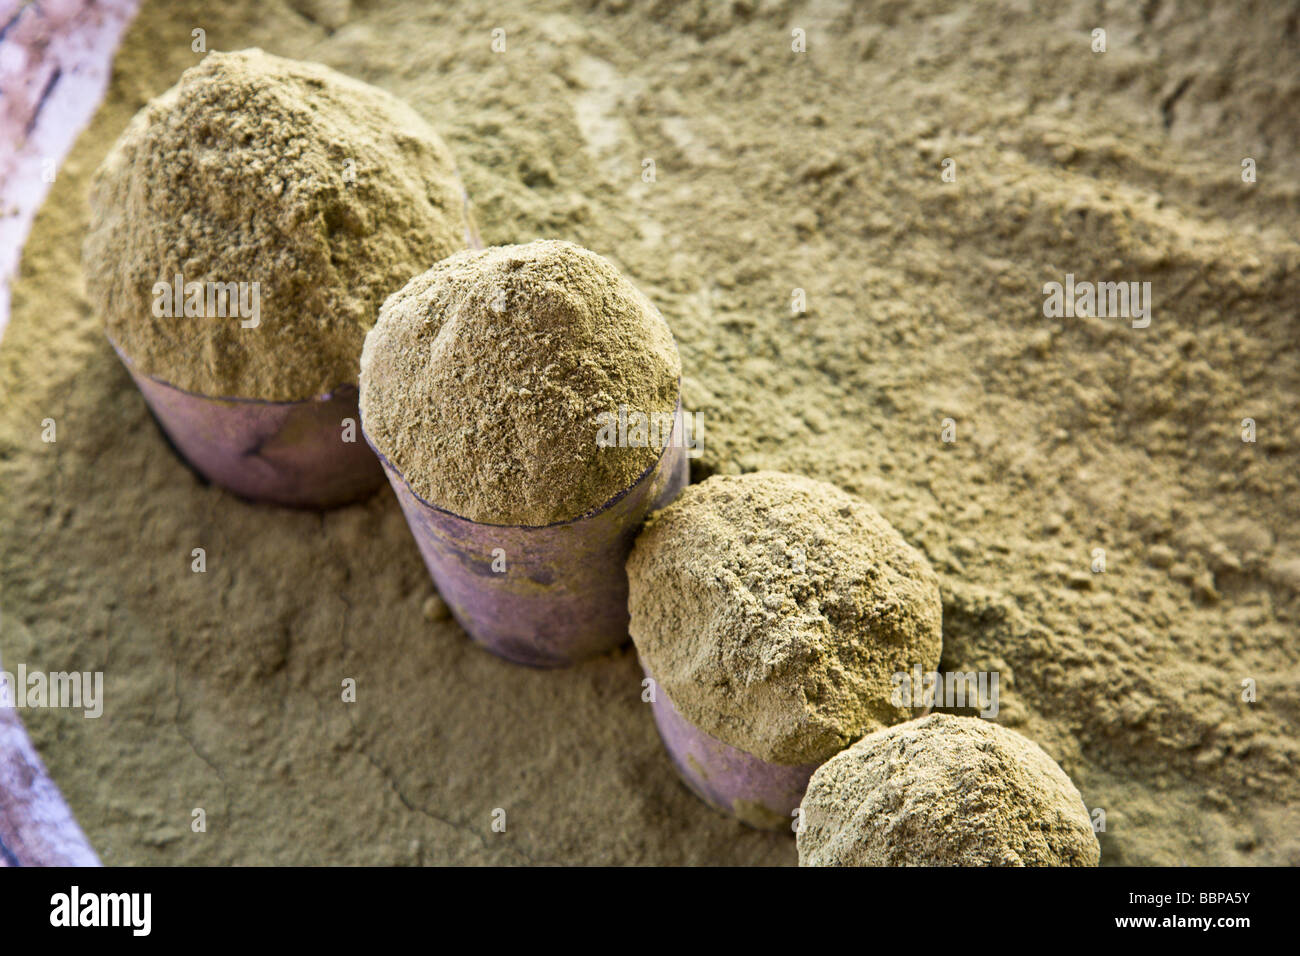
487, 380
773, 171
240, 174
944, 791
775, 610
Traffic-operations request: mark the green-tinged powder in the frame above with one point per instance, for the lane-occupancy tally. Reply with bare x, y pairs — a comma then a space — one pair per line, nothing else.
308, 196
491, 380
945, 791
774, 611
924, 302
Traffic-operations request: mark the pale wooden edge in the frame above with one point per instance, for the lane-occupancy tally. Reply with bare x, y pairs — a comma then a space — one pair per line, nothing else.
55, 60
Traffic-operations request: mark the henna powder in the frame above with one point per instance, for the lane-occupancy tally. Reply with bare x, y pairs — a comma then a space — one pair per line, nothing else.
249, 221
774, 610
489, 379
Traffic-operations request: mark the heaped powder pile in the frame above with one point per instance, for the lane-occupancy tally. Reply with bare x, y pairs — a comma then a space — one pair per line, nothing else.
945, 791
485, 380
774, 609
308, 195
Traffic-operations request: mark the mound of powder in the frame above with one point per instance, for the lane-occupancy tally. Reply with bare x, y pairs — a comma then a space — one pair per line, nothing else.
945, 791
486, 381
774, 611
326, 192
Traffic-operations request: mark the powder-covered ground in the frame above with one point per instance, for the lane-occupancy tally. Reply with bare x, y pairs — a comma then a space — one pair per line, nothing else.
774, 171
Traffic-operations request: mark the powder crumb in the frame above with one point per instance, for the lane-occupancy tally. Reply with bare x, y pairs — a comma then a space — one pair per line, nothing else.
945, 791
435, 608
1160, 556
757, 815
325, 192
774, 610
485, 379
